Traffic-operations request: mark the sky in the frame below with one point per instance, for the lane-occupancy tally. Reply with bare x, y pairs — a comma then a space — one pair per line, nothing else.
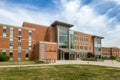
97, 17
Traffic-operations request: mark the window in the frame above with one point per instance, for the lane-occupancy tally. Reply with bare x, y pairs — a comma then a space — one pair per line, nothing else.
81, 47
3, 51
19, 32
19, 41
11, 38
11, 43
11, 32
11, 54
27, 56
4, 31
63, 36
30, 40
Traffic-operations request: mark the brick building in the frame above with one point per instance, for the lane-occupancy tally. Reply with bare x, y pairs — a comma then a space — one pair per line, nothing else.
107, 52
57, 41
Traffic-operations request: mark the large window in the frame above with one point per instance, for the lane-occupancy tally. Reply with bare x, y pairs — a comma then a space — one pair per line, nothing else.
97, 46
71, 39
63, 36
4, 31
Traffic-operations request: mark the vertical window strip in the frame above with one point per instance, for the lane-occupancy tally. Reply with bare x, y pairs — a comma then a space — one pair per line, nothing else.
11, 38
19, 41
4, 31
30, 40
19, 32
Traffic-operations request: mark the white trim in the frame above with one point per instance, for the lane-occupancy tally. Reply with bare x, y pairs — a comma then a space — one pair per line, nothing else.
47, 42
13, 49
15, 38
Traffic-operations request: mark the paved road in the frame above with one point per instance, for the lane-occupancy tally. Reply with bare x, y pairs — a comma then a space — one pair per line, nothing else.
105, 63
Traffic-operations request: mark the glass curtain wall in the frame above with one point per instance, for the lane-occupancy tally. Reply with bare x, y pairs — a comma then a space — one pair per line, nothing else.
97, 46
71, 39
63, 36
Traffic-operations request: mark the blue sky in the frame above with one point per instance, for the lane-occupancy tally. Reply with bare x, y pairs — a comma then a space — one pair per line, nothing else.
99, 17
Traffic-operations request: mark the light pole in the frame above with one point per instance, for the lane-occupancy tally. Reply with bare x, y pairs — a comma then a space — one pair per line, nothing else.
19, 50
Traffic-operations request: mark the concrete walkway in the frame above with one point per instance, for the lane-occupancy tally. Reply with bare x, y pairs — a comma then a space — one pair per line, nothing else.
104, 63
61, 62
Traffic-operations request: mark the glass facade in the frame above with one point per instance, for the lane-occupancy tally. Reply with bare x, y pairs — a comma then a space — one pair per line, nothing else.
97, 46
71, 39
4, 31
63, 36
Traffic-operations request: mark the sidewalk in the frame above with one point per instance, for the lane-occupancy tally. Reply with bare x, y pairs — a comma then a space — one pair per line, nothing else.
61, 62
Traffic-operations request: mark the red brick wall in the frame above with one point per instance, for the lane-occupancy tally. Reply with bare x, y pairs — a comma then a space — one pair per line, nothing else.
36, 51
89, 43
40, 33
5, 41
51, 51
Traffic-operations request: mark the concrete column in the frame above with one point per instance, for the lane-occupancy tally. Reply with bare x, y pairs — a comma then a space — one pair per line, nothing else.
75, 56
60, 55
63, 55
69, 56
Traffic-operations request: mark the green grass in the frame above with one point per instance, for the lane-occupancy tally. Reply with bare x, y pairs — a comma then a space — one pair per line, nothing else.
61, 72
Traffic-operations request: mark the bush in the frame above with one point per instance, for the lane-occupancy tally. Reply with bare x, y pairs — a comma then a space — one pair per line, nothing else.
4, 57
90, 55
38, 61
113, 58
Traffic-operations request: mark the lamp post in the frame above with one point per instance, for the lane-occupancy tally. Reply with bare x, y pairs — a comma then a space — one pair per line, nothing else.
19, 50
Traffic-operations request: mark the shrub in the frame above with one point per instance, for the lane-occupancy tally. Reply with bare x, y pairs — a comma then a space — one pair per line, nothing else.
90, 55
38, 61
113, 58
4, 57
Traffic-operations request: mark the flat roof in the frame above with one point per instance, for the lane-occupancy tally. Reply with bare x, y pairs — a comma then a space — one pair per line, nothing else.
94, 36
61, 23
7, 25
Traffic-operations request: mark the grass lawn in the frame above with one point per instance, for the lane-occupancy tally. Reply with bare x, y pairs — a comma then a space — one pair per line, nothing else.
61, 72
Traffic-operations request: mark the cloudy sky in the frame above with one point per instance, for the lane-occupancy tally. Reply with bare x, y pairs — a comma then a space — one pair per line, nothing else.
99, 17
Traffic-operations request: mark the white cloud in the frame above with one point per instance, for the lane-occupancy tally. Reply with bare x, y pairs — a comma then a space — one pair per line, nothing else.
84, 18
87, 20
116, 1
15, 15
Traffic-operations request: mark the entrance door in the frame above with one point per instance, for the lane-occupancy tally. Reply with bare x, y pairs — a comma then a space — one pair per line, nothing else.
66, 56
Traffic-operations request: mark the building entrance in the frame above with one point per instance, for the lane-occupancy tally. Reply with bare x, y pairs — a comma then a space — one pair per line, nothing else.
66, 56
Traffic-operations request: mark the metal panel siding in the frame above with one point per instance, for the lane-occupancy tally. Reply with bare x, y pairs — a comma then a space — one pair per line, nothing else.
42, 51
